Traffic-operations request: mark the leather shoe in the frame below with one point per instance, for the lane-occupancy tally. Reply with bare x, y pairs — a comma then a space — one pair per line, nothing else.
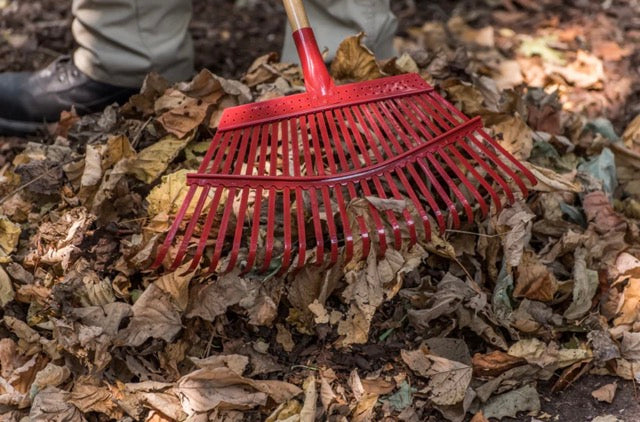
29, 100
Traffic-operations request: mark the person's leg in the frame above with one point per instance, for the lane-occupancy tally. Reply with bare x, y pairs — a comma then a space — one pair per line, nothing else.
120, 41
335, 20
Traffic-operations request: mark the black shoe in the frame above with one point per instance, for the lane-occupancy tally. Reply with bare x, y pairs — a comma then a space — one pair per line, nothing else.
29, 100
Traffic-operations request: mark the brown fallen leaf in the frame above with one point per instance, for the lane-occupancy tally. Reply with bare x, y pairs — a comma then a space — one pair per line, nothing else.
308, 411
155, 315
182, 120
52, 404
90, 398
606, 393
494, 363
628, 310
354, 61
610, 51
517, 136
363, 411
284, 338
448, 379
599, 210
534, 280
570, 375
207, 389
479, 417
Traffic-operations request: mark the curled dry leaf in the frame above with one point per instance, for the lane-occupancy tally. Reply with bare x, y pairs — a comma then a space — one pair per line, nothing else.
518, 219
494, 363
308, 411
629, 303
210, 388
598, 210
364, 409
547, 355
585, 287
354, 61
90, 398
550, 181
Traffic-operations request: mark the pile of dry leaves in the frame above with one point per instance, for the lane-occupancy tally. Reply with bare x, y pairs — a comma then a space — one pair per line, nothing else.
466, 325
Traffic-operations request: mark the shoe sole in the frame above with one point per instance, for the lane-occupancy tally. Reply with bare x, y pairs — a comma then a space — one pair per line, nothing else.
17, 127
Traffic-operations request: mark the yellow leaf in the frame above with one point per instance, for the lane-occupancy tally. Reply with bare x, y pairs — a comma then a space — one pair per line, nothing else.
152, 161
9, 235
169, 195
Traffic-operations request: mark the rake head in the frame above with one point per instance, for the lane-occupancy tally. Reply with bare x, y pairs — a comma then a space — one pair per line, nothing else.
279, 175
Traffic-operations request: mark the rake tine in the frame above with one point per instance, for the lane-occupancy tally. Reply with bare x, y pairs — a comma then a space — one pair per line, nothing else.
499, 163
226, 215
302, 239
365, 185
433, 99
442, 152
412, 171
244, 198
271, 212
496, 177
484, 208
325, 190
213, 207
382, 235
315, 208
494, 195
452, 185
379, 188
164, 249
286, 197
399, 118
200, 205
346, 227
425, 167
423, 215
494, 174
500, 148
168, 240
257, 208
379, 157
419, 122
436, 111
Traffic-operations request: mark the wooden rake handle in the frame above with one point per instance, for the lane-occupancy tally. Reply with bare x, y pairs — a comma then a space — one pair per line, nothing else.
297, 15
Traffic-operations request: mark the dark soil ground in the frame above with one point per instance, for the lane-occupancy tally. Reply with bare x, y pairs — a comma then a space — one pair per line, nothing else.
227, 40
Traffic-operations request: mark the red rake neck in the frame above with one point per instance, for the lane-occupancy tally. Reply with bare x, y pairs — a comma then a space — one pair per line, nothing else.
316, 76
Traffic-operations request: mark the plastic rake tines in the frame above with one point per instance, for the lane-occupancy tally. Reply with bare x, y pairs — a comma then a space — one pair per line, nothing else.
279, 176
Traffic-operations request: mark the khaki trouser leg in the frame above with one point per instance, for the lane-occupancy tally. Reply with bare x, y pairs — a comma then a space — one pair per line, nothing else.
120, 41
335, 20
